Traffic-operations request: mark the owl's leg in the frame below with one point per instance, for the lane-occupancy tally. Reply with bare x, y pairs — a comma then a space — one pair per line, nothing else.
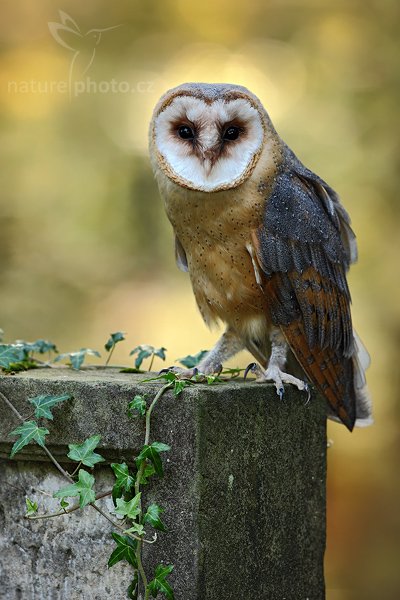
274, 371
227, 346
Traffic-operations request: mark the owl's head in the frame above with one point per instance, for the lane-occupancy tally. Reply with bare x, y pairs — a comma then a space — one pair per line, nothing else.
208, 137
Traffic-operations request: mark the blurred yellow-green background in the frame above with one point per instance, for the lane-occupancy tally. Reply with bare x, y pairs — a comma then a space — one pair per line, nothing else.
85, 247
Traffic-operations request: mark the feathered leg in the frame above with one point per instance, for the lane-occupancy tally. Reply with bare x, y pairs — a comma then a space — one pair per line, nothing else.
274, 371
227, 346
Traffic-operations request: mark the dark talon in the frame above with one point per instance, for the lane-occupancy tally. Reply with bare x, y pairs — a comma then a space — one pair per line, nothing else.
307, 389
281, 391
250, 367
166, 370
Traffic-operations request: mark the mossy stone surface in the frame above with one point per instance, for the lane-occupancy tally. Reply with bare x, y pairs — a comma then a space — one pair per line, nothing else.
243, 492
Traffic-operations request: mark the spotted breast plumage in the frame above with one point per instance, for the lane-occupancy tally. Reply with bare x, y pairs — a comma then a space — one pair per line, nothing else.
266, 242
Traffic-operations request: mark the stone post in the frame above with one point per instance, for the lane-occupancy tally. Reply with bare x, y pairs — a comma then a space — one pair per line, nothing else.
243, 492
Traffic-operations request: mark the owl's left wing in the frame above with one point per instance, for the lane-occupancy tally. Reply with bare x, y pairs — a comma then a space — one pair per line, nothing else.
305, 246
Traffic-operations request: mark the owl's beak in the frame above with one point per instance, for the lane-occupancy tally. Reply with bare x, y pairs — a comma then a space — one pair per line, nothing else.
208, 160
207, 165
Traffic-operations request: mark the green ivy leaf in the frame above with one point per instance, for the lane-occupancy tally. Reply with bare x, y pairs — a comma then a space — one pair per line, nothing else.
160, 446
31, 507
136, 528
133, 590
142, 352
76, 358
84, 454
232, 371
148, 472
125, 550
9, 354
124, 481
169, 376
64, 504
121, 472
116, 337
29, 431
160, 352
39, 346
129, 509
211, 379
43, 404
137, 407
43, 346
192, 360
159, 583
152, 516
82, 488
180, 384
145, 351
152, 453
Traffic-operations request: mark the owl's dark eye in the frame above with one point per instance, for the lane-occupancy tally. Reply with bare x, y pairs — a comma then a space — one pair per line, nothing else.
185, 132
231, 133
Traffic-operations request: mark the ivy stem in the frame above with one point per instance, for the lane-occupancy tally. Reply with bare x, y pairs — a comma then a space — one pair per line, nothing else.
57, 464
67, 510
151, 362
110, 354
147, 594
49, 454
103, 494
68, 476
164, 388
12, 407
74, 472
139, 478
99, 510
117, 526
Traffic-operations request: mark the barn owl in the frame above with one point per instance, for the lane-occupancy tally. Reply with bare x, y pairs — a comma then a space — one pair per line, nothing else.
266, 243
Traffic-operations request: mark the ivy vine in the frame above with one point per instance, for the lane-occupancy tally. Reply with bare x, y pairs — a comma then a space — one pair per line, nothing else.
135, 524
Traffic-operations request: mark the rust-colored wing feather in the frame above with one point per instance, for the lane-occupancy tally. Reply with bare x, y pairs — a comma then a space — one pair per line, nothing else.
326, 367
304, 247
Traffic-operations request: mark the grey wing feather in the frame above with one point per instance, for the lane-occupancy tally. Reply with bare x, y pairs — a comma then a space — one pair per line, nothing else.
305, 226
331, 202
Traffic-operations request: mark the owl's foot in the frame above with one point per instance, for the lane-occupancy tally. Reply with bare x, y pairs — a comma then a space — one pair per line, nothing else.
180, 371
273, 373
199, 372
